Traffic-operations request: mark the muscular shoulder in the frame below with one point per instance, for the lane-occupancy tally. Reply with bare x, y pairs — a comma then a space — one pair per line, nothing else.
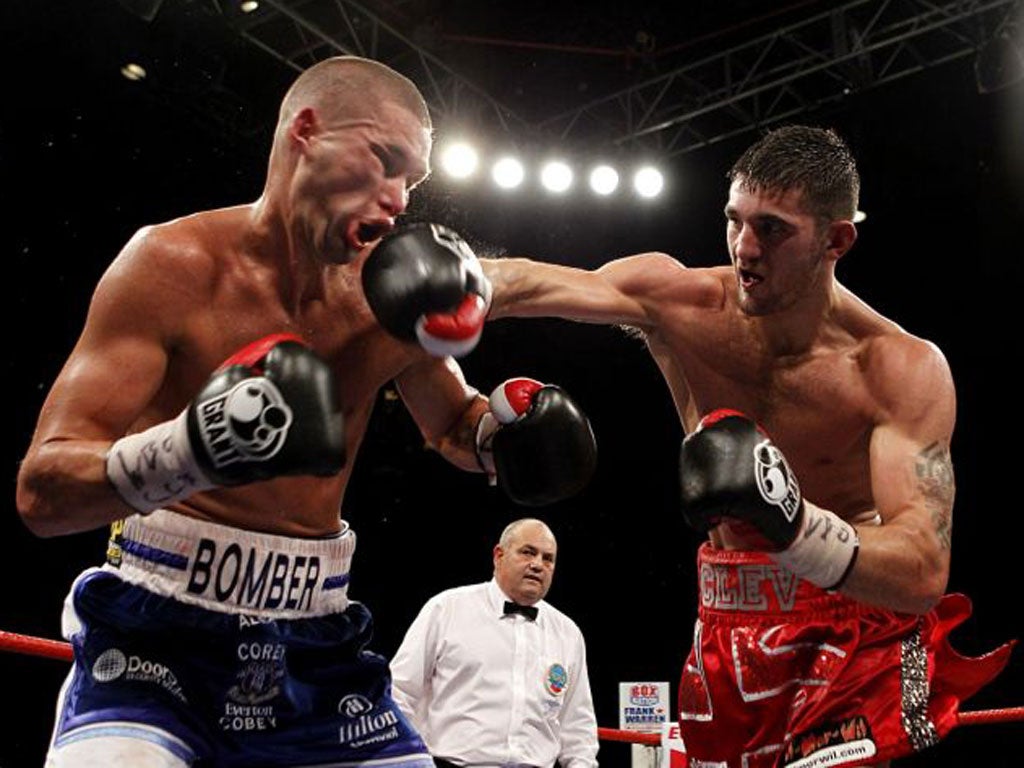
164, 272
173, 259
659, 276
190, 249
908, 376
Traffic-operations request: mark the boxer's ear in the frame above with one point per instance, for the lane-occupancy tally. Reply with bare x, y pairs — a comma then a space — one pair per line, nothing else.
839, 238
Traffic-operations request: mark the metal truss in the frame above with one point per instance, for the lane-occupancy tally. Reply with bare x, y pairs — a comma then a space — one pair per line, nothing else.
302, 32
793, 70
825, 58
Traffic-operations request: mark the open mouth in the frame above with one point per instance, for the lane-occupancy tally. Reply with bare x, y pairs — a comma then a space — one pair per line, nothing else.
363, 233
749, 279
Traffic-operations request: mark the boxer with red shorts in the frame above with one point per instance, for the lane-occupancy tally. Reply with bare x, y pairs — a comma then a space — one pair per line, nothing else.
864, 411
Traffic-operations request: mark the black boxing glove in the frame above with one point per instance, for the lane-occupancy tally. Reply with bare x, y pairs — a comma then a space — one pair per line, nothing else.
536, 442
732, 473
424, 283
269, 410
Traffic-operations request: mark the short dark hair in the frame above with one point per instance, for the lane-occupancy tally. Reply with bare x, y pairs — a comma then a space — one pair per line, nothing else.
816, 160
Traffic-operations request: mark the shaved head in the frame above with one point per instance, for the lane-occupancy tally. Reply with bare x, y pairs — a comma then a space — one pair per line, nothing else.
347, 87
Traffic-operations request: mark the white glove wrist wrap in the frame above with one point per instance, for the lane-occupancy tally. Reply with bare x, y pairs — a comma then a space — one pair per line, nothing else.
824, 549
157, 466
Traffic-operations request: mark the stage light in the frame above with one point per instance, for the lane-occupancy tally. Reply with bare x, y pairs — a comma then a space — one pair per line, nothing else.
133, 71
248, 6
859, 216
459, 160
648, 182
556, 176
507, 173
604, 179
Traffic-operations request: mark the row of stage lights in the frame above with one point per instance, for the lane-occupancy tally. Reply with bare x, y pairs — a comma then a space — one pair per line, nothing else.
461, 162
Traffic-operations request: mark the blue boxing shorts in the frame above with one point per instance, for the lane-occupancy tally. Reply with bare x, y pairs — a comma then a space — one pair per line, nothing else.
200, 644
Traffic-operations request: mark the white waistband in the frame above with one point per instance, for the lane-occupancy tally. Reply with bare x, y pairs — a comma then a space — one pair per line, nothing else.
232, 570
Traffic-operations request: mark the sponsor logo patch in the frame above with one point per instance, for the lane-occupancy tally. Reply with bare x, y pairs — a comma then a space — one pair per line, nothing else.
354, 705
257, 682
831, 744
362, 725
114, 664
257, 677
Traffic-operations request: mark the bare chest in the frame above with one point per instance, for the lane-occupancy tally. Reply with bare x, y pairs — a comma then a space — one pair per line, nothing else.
337, 324
816, 408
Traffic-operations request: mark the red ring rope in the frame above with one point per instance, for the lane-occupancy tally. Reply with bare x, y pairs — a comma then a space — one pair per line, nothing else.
35, 646
611, 734
56, 649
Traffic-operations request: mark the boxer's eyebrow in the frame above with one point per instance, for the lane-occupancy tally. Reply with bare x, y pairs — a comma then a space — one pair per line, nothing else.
397, 161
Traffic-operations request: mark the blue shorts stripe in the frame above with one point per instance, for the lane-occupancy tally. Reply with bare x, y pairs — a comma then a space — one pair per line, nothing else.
335, 582
154, 555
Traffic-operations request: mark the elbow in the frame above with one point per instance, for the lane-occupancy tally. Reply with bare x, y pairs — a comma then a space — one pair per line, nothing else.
934, 572
920, 601
931, 576
34, 512
36, 505
902, 566
457, 444
457, 454
933, 587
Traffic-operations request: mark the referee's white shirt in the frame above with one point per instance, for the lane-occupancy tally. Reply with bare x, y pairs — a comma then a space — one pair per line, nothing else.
485, 688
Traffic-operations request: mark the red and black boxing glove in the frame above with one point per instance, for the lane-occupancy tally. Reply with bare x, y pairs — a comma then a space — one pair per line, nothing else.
536, 442
424, 284
732, 473
270, 409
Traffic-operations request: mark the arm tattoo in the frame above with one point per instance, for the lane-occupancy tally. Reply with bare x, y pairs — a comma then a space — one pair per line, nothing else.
935, 479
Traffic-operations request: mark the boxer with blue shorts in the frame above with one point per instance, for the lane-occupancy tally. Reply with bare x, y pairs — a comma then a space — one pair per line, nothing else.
227, 370
229, 650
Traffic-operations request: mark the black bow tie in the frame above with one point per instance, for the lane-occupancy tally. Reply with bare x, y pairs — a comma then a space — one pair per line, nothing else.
529, 611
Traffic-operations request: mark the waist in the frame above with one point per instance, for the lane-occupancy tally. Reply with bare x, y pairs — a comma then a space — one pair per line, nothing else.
748, 585
232, 570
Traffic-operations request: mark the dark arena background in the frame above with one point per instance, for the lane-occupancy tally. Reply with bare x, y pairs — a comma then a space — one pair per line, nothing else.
929, 95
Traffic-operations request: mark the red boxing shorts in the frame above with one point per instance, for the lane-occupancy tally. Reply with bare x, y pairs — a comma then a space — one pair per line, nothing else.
783, 673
